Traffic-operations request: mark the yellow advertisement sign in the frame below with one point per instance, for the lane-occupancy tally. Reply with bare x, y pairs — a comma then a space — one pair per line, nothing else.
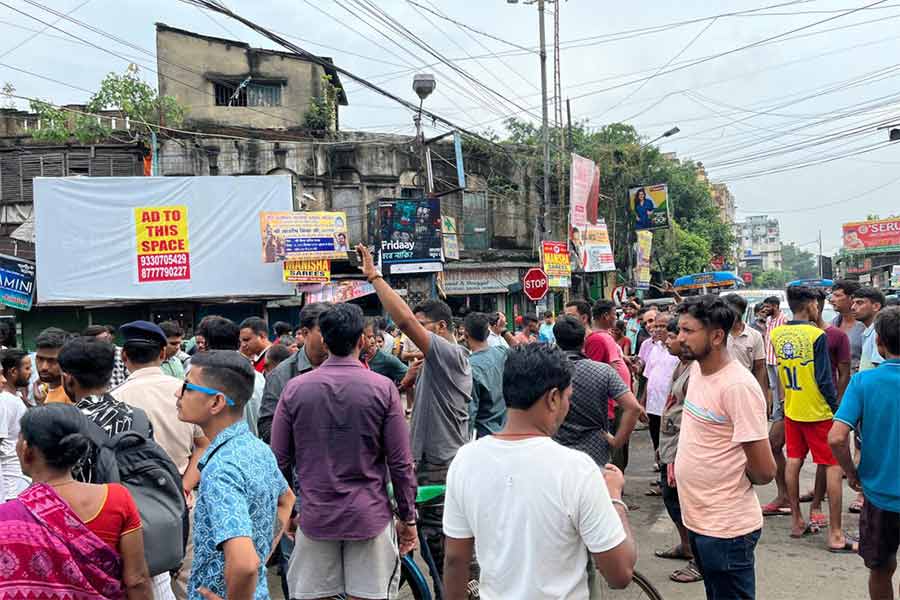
644, 249
307, 271
163, 249
303, 235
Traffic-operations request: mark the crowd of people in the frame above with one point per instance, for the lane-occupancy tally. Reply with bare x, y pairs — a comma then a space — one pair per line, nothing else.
173, 468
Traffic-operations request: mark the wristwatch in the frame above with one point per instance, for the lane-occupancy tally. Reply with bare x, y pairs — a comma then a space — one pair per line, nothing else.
374, 277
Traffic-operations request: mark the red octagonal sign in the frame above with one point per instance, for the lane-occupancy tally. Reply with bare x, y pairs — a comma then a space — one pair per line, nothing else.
535, 284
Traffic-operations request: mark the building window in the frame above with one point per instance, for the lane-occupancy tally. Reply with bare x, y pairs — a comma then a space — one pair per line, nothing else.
253, 94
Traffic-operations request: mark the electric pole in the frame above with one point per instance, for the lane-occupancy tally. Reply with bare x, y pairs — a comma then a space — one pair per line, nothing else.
545, 200
821, 270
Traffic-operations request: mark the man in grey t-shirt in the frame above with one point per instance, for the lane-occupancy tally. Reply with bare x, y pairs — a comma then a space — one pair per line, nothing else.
440, 417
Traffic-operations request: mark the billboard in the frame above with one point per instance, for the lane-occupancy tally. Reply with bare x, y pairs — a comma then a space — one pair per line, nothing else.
341, 291
582, 179
649, 204
595, 251
303, 235
410, 240
644, 249
92, 240
557, 264
16, 282
882, 235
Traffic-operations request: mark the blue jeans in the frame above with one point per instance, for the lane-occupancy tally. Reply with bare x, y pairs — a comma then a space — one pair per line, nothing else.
728, 565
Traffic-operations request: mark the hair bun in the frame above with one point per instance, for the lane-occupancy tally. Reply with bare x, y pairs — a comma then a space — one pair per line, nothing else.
72, 448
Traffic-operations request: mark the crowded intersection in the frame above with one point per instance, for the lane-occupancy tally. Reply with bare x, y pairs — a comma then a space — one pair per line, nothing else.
281, 321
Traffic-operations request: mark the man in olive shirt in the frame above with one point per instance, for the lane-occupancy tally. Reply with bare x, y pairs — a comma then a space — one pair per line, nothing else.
378, 360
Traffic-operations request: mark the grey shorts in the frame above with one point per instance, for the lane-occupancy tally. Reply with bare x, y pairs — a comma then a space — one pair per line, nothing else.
363, 569
777, 400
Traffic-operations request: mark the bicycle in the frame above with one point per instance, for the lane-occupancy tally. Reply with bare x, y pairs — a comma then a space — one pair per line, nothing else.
413, 583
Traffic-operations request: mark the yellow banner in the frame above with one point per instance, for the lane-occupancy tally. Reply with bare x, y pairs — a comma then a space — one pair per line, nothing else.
303, 235
307, 271
163, 251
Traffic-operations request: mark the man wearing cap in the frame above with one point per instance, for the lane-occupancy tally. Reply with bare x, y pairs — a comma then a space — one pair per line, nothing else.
151, 390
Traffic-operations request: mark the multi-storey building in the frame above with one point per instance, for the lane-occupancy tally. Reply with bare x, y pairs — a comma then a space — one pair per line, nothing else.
759, 243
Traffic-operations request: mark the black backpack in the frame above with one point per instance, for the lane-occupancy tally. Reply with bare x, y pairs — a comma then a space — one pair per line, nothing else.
134, 460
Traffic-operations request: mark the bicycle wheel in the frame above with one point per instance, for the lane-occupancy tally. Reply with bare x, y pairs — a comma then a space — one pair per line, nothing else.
639, 589
413, 585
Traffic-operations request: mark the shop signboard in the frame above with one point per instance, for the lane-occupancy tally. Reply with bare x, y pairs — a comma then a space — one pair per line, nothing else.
882, 235
479, 281
16, 282
556, 262
307, 271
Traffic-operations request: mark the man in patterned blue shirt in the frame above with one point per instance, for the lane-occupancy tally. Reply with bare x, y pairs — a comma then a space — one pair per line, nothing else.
244, 502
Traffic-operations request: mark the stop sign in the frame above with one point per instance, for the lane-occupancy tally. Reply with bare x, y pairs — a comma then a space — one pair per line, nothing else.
535, 284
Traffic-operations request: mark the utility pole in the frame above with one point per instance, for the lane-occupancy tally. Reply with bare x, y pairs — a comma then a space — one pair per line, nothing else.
542, 217
821, 270
569, 120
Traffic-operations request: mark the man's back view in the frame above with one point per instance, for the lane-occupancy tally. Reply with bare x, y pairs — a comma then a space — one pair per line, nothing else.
533, 508
339, 426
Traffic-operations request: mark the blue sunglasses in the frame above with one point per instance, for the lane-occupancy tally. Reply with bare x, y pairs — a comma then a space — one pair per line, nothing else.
205, 390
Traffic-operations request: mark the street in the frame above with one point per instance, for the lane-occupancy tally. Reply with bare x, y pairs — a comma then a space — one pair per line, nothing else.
786, 569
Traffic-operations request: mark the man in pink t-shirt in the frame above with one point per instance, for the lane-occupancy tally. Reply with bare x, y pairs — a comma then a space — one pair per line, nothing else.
723, 450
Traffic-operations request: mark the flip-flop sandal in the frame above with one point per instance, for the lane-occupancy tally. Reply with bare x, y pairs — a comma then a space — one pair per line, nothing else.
856, 507
653, 492
674, 553
773, 510
810, 529
847, 548
688, 574
807, 497
820, 519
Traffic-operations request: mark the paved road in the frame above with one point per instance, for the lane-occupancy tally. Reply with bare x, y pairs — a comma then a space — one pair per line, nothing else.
787, 569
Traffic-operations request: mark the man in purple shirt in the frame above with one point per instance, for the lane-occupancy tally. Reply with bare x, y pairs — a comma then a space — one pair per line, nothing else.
339, 425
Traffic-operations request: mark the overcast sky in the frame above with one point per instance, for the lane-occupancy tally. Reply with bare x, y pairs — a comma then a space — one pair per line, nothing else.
802, 93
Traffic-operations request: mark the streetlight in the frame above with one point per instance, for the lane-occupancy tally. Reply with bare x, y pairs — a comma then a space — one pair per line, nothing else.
423, 85
668, 133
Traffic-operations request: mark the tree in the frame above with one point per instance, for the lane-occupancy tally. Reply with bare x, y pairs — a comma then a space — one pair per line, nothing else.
798, 263
136, 99
8, 91
623, 163
686, 253
771, 278
322, 112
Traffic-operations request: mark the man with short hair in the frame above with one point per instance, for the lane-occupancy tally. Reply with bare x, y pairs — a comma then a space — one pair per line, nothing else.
440, 416
810, 400
172, 365
842, 300
16, 372
107, 333
774, 318
868, 405
545, 333
87, 365
499, 335
723, 451
255, 342
244, 502
497, 503
282, 329
867, 301
659, 366
378, 361
745, 343
587, 426
487, 410
276, 355
49, 389
529, 332
339, 426
582, 310
154, 392
312, 354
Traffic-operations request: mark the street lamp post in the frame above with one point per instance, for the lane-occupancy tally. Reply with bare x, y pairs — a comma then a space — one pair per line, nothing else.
423, 85
668, 133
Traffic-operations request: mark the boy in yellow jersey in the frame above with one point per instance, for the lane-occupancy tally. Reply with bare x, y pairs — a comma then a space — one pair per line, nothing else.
810, 399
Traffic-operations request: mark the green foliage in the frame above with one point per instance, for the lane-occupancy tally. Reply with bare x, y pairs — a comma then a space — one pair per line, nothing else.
8, 90
679, 252
798, 263
771, 279
322, 112
127, 92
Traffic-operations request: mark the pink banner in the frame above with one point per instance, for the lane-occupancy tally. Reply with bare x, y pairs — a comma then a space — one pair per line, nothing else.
582, 178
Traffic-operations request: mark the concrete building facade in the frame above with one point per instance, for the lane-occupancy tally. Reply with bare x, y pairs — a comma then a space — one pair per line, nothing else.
758, 239
226, 82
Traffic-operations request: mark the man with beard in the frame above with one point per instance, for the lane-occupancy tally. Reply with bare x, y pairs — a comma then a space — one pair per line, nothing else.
16, 366
50, 389
723, 450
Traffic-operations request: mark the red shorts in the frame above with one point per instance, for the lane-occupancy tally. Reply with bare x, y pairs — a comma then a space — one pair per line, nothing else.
802, 438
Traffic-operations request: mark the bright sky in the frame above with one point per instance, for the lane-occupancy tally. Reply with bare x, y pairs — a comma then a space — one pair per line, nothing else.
801, 93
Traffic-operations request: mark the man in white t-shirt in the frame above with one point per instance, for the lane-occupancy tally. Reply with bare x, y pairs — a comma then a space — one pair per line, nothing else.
532, 509
16, 365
